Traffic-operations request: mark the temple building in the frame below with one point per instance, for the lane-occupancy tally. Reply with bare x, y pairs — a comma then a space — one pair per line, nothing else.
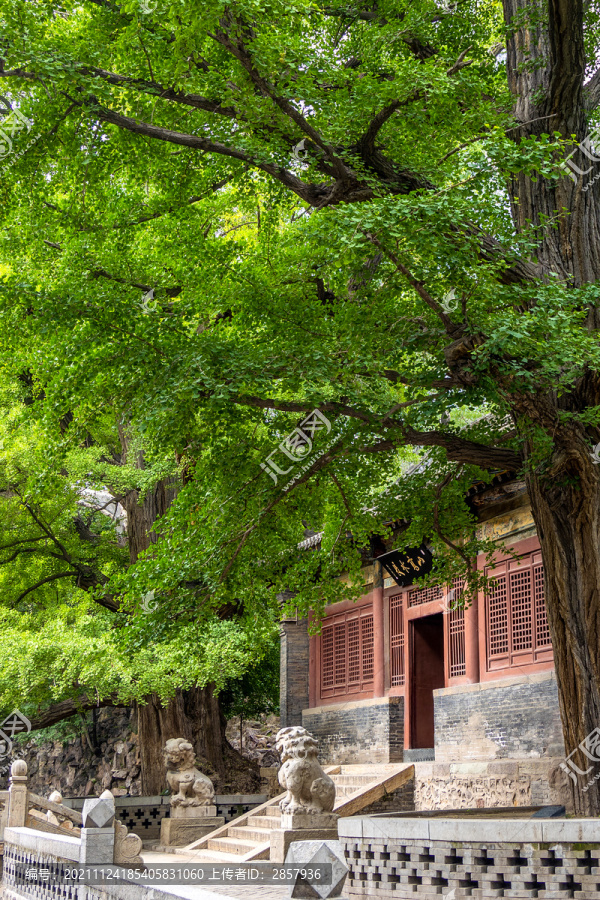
406, 674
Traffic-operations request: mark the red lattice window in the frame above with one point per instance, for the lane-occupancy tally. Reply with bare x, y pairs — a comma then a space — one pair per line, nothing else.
353, 651
367, 646
396, 640
517, 625
347, 652
521, 611
456, 632
498, 618
327, 656
340, 653
542, 631
423, 595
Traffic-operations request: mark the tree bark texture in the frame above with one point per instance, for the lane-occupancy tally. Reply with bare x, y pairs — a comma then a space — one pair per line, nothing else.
546, 65
196, 716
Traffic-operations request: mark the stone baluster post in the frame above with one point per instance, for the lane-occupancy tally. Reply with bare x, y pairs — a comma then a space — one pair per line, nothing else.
98, 830
17, 795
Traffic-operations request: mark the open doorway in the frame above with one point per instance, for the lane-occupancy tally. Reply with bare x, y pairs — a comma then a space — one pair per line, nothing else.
427, 674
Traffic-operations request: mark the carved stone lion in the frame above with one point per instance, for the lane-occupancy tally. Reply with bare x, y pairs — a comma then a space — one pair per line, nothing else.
309, 789
189, 787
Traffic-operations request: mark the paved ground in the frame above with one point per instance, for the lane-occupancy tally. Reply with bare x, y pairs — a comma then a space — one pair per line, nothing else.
213, 892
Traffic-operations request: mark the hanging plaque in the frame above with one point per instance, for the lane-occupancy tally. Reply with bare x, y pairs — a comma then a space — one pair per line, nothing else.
405, 567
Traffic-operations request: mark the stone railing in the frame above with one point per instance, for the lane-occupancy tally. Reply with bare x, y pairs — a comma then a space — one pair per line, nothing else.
95, 833
419, 858
143, 815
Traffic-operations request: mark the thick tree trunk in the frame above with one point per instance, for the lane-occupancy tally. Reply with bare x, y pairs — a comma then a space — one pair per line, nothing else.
545, 66
195, 715
566, 508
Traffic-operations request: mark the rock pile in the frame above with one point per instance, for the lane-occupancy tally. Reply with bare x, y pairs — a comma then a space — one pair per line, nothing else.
258, 739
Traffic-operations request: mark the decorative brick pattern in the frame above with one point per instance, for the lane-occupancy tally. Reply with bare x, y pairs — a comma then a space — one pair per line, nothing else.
424, 869
143, 815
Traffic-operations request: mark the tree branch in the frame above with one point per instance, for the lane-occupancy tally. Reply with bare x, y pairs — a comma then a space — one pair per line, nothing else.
158, 90
239, 50
67, 708
45, 581
433, 304
312, 194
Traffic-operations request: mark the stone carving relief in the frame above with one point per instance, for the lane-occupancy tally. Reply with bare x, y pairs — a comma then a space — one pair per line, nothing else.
472, 792
127, 847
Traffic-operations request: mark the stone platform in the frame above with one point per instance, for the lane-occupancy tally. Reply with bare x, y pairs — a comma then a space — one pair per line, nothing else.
189, 823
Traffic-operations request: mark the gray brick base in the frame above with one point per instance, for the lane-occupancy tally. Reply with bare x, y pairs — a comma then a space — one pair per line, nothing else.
512, 718
360, 731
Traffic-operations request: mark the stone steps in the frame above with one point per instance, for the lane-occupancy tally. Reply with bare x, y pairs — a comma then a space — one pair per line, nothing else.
251, 833
264, 822
233, 845
248, 833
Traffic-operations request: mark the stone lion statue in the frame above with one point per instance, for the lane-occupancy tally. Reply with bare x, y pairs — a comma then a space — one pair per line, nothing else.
309, 789
189, 787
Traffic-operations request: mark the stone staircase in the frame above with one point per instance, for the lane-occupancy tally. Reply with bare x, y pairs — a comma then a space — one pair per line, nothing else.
248, 837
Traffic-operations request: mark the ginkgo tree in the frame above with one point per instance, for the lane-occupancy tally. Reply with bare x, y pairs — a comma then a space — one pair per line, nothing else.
239, 213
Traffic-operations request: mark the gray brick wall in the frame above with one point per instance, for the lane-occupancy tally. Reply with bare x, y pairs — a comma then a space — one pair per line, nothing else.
294, 671
358, 731
514, 718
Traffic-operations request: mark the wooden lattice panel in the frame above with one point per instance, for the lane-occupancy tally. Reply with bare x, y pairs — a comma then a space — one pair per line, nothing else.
339, 653
456, 632
498, 618
353, 651
520, 610
327, 656
397, 641
367, 646
347, 653
542, 631
516, 620
424, 595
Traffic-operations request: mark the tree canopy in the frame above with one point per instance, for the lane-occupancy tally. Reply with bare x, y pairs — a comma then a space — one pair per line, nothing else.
226, 216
